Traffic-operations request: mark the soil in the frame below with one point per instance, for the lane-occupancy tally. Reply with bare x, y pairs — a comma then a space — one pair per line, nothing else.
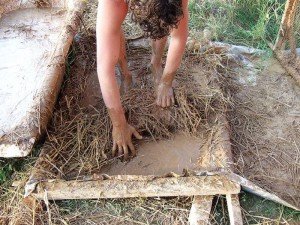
266, 128
27, 39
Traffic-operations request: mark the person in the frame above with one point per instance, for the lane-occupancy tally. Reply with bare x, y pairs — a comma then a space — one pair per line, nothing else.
158, 19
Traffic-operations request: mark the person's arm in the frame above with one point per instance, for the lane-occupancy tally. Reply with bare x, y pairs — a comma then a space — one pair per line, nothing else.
176, 49
111, 14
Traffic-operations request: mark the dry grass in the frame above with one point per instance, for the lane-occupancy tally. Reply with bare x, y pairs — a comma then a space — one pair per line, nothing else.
42, 3
265, 128
162, 211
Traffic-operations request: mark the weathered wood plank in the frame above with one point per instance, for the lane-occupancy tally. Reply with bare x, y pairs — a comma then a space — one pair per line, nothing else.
164, 187
200, 210
234, 209
249, 186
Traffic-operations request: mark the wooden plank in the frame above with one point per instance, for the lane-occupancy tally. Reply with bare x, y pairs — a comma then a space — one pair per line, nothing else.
164, 187
234, 209
249, 186
218, 156
200, 210
216, 152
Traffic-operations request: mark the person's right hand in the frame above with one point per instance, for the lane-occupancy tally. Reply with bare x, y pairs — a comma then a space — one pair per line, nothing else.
122, 135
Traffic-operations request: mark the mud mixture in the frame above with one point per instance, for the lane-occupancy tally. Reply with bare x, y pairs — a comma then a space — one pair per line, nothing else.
266, 128
160, 158
27, 39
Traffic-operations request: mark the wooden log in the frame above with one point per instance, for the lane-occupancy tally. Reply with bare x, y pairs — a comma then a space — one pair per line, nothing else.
234, 210
164, 187
200, 210
216, 153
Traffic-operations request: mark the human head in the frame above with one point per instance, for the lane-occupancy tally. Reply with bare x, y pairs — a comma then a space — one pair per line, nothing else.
156, 17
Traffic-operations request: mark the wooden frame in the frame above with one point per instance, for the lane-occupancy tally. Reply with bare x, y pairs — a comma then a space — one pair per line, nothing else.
204, 184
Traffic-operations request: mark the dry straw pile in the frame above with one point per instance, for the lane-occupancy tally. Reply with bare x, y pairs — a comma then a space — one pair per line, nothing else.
79, 138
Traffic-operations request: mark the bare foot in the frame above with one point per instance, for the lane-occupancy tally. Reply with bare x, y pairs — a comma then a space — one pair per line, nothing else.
165, 95
127, 83
157, 72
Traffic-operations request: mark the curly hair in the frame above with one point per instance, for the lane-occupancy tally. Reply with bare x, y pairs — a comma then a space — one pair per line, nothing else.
156, 17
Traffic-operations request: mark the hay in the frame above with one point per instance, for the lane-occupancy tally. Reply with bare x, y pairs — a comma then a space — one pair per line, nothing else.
42, 3
79, 139
138, 211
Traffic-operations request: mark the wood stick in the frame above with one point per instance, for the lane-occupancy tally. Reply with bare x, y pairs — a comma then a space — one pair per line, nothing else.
287, 26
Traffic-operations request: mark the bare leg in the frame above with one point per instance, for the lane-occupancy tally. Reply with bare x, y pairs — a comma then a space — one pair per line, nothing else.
127, 78
158, 47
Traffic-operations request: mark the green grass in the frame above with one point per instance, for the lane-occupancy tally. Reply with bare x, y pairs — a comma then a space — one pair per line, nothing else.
8, 167
258, 208
252, 23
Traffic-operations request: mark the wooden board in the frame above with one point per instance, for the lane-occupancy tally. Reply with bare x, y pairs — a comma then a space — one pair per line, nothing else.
234, 210
249, 186
121, 188
200, 210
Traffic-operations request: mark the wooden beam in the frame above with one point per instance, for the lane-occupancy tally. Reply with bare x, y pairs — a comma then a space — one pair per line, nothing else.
164, 187
200, 210
234, 209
